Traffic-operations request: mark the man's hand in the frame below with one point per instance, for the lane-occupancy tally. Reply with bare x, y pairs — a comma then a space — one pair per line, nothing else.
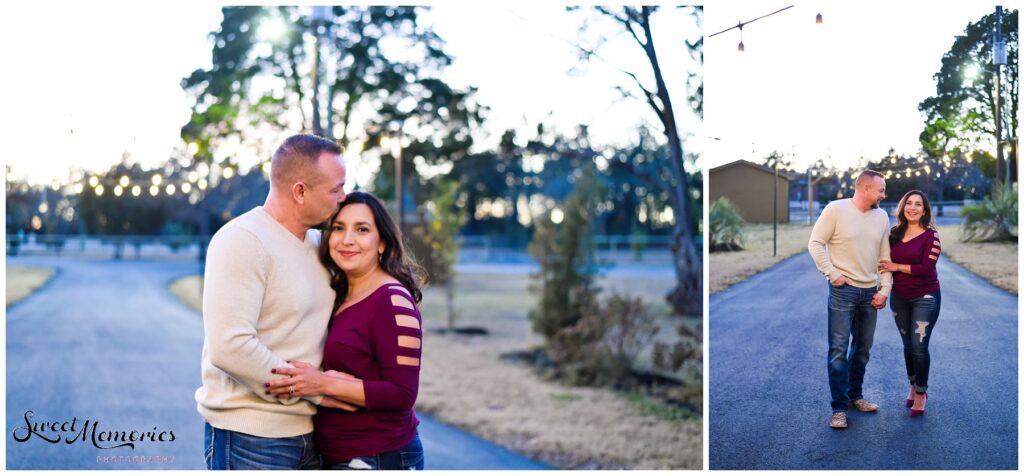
839, 282
878, 301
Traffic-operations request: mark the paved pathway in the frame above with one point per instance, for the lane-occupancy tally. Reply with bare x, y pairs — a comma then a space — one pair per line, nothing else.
769, 397
104, 341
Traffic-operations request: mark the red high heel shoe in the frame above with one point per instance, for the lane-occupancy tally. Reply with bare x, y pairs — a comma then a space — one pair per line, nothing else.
916, 413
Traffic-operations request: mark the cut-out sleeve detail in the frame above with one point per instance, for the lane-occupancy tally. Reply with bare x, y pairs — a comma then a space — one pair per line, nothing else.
409, 342
412, 361
400, 289
928, 259
401, 301
403, 320
397, 341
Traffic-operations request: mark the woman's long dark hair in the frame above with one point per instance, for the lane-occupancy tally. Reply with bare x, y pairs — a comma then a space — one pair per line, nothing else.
395, 261
896, 235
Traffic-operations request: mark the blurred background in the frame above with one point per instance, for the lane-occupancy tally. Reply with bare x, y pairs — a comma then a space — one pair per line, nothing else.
542, 163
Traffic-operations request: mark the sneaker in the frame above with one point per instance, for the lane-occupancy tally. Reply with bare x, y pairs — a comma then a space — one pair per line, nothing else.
838, 420
862, 405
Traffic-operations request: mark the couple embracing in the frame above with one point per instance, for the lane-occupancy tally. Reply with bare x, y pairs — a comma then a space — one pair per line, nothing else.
311, 353
865, 261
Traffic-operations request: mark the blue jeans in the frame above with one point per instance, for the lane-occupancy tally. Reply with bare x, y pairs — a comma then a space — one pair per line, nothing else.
226, 449
915, 318
408, 457
850, 316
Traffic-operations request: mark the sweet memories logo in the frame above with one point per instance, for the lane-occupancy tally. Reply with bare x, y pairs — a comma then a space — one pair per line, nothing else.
72, 431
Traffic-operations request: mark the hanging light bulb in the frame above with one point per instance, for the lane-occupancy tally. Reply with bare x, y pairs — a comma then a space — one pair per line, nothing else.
740, 47
817, 19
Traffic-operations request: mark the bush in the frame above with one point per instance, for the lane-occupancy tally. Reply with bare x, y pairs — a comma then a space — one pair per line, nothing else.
993, 220
688, 349
602, 347
568, 268
434, 240
726, 226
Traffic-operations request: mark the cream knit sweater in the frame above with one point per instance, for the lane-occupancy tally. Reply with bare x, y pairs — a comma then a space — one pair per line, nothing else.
266, 300
856, 242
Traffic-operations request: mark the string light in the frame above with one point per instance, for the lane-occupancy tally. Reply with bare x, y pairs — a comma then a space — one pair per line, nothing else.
741, 24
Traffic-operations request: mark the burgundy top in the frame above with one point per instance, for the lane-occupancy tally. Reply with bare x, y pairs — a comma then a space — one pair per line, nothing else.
377, 340
921, 253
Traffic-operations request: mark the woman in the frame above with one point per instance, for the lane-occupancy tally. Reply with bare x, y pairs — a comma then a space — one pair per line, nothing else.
372, 352
915, 292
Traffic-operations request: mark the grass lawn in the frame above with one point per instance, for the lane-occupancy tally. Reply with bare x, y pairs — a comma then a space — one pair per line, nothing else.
22, 280
996, 262
730, 267
465, 383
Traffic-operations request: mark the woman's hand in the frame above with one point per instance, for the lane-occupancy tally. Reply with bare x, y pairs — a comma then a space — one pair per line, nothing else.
888, 266
341, 375
302, 381
331, 402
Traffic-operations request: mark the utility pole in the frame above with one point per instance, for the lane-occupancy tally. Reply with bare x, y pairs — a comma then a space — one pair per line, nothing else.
999, 59
775, 210
319, 23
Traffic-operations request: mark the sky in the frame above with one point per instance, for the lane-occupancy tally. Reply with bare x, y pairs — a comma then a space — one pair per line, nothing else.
843, 89
93, 82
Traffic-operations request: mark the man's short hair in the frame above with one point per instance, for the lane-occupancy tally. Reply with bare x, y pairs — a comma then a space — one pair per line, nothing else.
866, 175
296, 159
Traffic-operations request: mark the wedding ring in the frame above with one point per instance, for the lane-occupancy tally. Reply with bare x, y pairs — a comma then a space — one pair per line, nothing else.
291, 390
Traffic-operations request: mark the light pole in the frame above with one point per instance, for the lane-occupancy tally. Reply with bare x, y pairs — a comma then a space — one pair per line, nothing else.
812, 172
999, 59
775, 209
394, 146
319, 23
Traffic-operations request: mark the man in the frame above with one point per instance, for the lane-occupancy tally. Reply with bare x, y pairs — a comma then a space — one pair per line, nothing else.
856, 233
267, 301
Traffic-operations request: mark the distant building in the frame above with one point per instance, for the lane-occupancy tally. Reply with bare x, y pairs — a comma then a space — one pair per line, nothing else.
749, 187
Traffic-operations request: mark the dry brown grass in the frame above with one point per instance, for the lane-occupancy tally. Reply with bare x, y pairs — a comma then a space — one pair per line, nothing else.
23, 280
466, 384
731, 267
996, 262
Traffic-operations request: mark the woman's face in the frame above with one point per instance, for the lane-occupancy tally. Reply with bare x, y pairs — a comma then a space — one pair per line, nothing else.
354, 240
913, 209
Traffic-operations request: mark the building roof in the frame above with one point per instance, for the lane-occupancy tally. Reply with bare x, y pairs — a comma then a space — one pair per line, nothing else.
750, 164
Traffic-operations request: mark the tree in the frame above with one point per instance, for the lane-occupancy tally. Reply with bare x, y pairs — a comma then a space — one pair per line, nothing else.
568, 270
669, 173
435, 240
961, 116
260, 85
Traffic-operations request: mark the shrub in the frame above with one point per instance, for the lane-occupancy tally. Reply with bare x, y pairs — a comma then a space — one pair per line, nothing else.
726, 226
993, 220
434, 241
602, 347
686, 349
568, 269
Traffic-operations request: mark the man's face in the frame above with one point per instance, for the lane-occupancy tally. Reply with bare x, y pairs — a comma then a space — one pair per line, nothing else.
326, 190
876, 191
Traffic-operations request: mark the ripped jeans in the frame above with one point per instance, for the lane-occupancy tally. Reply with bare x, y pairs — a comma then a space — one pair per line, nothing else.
915, 318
